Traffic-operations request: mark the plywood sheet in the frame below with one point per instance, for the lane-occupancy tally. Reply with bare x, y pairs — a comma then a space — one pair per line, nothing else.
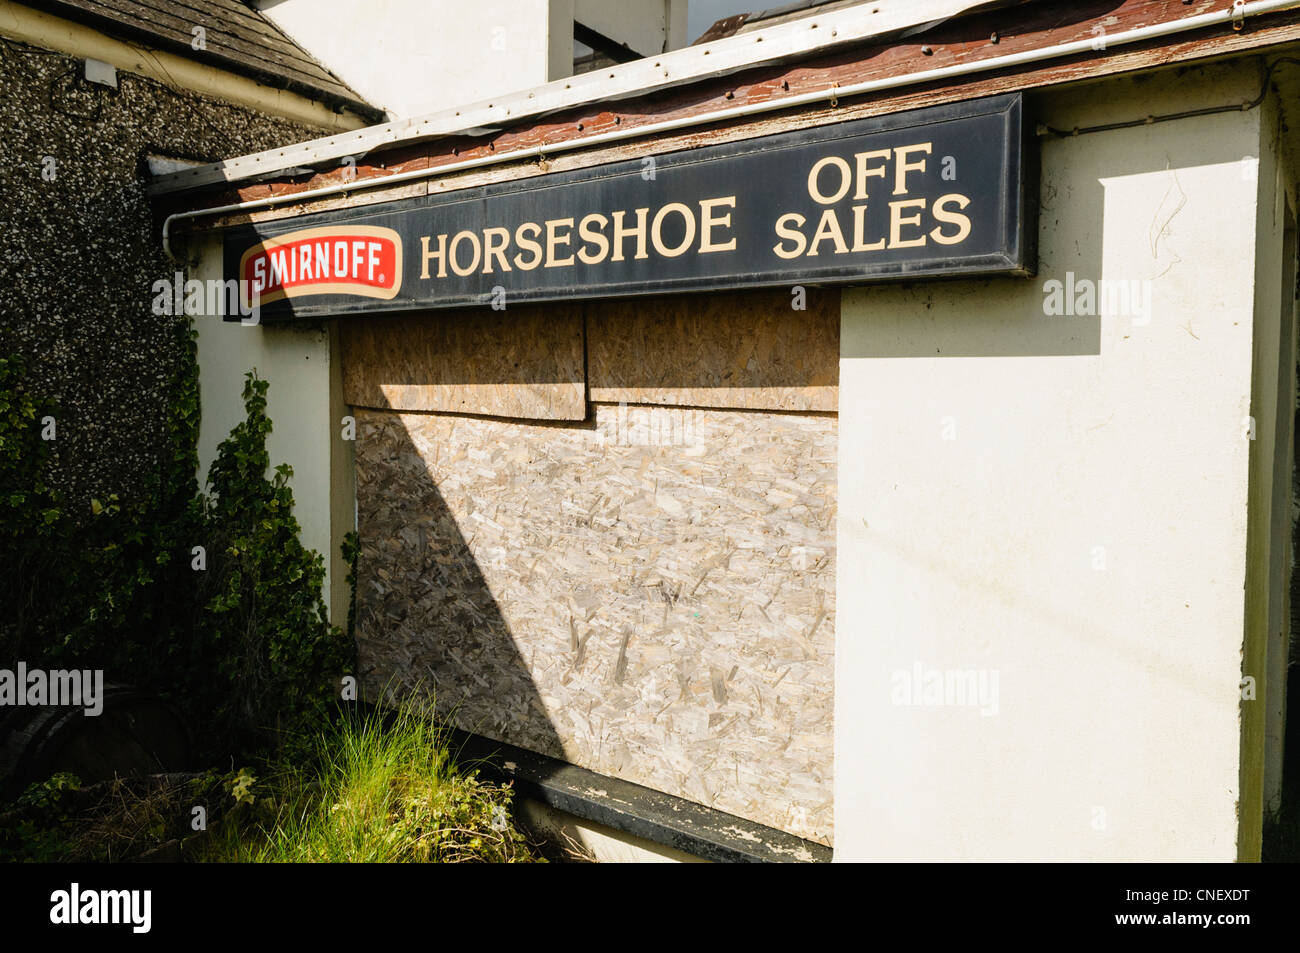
650, 595
751, 350
523, 362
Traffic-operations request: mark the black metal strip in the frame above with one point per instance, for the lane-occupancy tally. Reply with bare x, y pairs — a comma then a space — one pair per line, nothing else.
601, 43
661, 818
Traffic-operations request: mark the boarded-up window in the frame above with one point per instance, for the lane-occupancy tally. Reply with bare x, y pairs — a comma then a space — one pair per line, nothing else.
648, 592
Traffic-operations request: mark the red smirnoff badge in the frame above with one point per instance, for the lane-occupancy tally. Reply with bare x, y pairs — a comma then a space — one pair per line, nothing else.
354, 260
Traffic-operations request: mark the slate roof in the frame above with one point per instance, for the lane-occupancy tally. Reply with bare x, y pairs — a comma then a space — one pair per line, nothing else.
238, 39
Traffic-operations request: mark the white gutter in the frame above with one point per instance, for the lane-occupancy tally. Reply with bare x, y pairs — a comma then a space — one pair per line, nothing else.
1235, 15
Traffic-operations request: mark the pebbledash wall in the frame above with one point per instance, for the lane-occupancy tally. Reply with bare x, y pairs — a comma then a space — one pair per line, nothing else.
79, 240
1080, 511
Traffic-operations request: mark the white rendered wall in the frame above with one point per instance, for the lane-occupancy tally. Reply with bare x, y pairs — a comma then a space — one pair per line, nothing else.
412, 57
1060, 503
304, 402
647, 26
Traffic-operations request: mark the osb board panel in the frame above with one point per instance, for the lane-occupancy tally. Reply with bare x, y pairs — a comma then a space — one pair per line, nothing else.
523, 362
650, 596
750, 350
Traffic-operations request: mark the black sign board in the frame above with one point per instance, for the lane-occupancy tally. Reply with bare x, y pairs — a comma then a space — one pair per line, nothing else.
933, 192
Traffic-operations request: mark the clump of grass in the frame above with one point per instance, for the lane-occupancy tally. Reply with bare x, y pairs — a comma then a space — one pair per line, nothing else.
381, 788
376, 787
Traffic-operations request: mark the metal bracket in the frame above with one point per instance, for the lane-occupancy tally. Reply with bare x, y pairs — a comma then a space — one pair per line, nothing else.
1238, 15
105, 74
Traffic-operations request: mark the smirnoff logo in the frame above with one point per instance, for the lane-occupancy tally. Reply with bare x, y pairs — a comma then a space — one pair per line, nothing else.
353, 260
